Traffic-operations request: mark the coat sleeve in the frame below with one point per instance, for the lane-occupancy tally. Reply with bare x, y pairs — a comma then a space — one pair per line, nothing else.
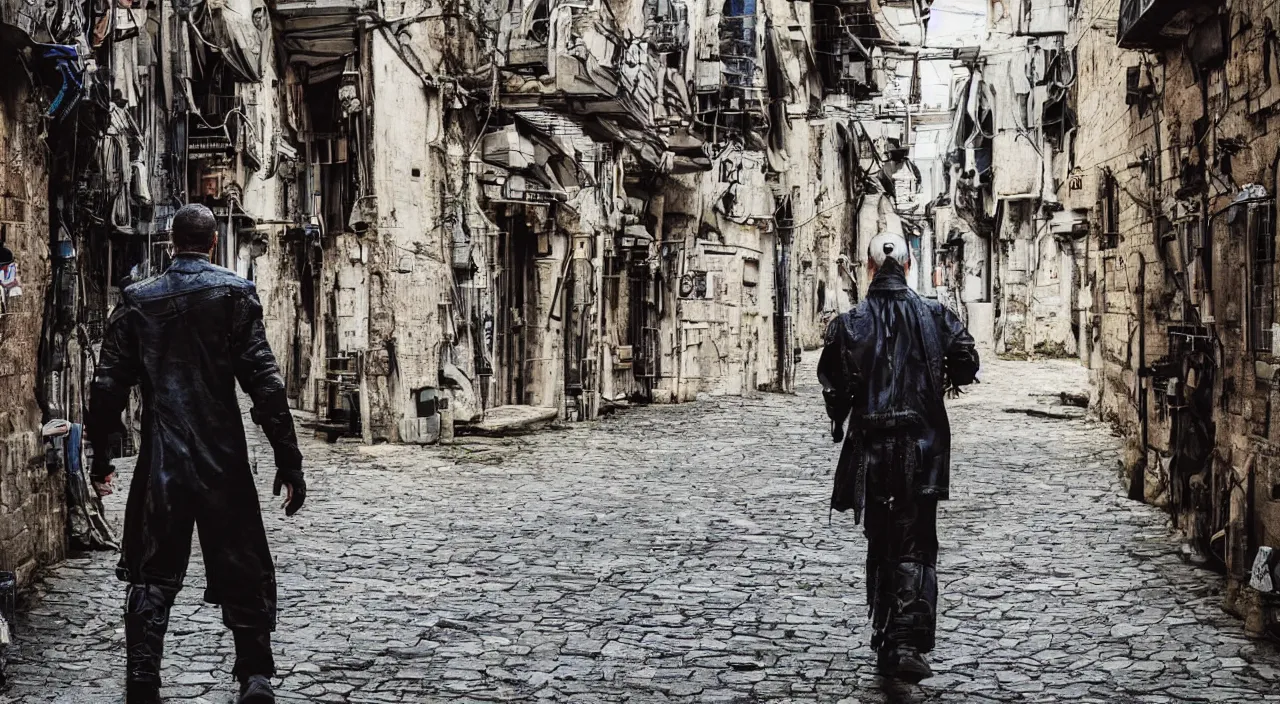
834, 374
961, 354
259, 376
116, 373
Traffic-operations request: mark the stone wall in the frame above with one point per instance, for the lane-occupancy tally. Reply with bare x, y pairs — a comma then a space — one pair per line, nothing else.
32, 516
1179, 277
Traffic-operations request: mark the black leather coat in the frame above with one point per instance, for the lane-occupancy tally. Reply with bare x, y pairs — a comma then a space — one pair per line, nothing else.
186, 337
885, 368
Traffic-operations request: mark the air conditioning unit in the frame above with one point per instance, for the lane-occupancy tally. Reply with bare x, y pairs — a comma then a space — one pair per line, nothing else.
624, 356
698, 285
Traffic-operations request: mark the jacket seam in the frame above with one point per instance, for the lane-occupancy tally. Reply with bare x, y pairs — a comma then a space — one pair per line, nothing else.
186, 292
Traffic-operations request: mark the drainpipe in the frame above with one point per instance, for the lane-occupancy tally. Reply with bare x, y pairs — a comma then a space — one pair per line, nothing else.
1137, 478
1137, 484
782, 307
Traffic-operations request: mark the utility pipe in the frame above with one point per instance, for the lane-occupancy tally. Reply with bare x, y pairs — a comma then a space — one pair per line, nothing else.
1137, 479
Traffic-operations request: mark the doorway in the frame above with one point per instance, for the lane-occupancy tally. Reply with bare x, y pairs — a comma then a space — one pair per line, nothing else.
516, 291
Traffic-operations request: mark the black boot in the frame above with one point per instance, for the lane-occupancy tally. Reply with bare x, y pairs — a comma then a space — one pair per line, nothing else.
904, 663
140, 693
254, 665
146, 618
256, 689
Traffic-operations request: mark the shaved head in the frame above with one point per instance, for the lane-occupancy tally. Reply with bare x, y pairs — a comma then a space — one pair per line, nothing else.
888, 245
888, 250
194, 229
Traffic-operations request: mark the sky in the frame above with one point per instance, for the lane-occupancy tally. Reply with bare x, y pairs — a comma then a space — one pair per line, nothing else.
951, 23
957, 22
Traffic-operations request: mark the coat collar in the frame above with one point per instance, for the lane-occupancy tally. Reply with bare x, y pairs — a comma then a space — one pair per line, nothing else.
190, 262
890, 278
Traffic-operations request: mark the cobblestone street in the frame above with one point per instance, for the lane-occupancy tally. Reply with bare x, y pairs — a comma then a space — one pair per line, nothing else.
684, 554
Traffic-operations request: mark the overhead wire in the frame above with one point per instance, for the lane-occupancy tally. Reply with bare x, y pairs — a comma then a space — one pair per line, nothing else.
190, 22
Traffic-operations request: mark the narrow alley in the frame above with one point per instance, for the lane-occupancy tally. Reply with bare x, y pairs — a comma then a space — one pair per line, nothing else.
591, 564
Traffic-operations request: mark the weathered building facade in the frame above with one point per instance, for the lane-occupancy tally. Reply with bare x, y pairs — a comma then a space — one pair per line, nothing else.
593, 203
1174, 162
110, 118
1009, 249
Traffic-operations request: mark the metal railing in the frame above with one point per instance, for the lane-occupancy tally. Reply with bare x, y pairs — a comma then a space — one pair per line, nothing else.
1131, 12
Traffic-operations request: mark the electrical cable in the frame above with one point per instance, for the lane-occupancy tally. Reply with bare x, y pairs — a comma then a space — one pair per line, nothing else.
220, 49
493, 99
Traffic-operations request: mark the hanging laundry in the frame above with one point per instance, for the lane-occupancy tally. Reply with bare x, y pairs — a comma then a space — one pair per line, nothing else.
66, 61
88, 528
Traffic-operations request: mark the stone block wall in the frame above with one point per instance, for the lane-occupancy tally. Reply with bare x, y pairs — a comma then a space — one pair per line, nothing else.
32, 509
1198, 133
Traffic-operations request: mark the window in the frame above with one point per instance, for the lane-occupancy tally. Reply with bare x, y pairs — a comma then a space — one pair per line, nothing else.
1262, 292
1110, 211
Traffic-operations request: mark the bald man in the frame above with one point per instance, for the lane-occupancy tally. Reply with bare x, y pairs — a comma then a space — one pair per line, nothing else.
885, 369
186, 337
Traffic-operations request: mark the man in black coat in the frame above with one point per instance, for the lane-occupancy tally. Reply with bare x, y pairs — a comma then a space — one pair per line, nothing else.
187, 336
885, 369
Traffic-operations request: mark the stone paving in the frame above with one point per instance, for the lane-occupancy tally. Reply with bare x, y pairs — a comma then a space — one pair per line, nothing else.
685, 554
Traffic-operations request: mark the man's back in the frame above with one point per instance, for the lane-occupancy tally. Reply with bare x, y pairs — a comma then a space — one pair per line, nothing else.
895, 352
189, 343
898, 342
885, 369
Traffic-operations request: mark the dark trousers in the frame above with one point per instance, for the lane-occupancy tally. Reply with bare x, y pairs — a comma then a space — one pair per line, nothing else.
240, 573
146, 620
902, 583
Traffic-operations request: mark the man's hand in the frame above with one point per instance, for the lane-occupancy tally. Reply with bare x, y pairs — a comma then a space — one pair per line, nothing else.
103, 486
296, 490
101, 473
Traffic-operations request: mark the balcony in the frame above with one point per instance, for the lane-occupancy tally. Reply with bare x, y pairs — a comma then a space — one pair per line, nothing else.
214, 129
844, 61
845, 35
297, 9
1159, 24
318, 32
668, 37
525, 28
580, 63
667, 25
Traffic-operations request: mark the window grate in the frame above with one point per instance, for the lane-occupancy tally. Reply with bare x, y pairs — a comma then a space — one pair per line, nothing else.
1262, 277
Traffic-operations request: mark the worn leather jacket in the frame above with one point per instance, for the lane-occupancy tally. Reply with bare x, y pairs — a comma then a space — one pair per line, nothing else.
186, 337
886, 367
